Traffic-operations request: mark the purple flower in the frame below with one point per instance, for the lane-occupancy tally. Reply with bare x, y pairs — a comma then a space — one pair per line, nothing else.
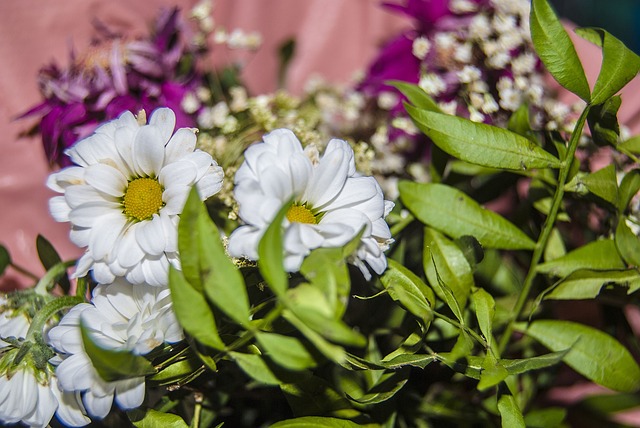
114, 75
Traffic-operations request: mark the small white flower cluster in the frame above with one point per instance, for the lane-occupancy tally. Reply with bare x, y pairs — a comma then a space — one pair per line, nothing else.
487, 69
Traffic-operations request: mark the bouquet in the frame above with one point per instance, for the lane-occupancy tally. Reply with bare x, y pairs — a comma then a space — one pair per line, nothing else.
326, 260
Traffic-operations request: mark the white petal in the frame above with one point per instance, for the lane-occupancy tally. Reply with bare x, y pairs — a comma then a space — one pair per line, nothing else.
87, 214
150, 236
148, 151
182, 143
59, 208
70, 176
276, 183
211, 182
70, 409
301, 170
101, 273
174, 198
84, 193
45, 408
105, 234
164, 119
177, 173
97, 406
357, 191
243, 242
106, 179
130, 393
129, 252
328, 177
284, 140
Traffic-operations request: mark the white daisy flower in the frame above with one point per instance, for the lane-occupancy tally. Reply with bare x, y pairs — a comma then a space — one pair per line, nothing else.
121, 316
124, 199
332, 202
28, 394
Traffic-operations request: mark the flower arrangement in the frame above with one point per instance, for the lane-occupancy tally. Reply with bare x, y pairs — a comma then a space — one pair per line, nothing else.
298, 261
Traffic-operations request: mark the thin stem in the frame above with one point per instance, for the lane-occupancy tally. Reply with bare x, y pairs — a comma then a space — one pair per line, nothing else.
455, 323
43, 315
401, 225
197, 410
23, 271
546, 229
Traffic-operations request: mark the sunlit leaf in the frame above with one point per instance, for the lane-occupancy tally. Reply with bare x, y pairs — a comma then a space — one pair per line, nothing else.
443, 258
327, 270
485, 308
149, 418
619, 64
387, 386
551, 417
111, 364
193, 311
594, 354
410, 291
452, 212
596, 255
629, 187
586, 284
286, 351
509, 411
255, 367
603, 183
482, 144
271, 254
628, 243
555, 49
603, 122
416, 95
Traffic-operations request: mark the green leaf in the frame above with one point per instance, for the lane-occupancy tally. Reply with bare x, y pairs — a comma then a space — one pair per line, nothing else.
415, 94
631, 145
271, 254
619, 64
555, 246
629, 187
596, 255
286, 351
406, 288
603, 183
188, 240
327, 270
594, 354
520, 124
485, 308
193, 311
443, 258
149, 418
49, 258
333, 352
415, 360
255, 367
628, 243
387, 386
492, 373
509, 411
551, 417
328, 327
177, 371
586, 284
482, 144
315, 422
5, 259
603, 122
555, 49
113, 365
209, 267
471, 249
455, 214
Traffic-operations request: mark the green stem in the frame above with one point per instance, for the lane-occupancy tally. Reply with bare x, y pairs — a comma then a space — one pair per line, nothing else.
43, 315
455, 323
197, 410
23, 271
546, 229
49, 279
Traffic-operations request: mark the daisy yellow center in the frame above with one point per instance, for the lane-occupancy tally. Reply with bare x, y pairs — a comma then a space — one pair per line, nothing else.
143, 198
301, 214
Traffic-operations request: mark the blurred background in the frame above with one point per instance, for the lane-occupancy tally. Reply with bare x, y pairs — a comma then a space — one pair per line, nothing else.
619, 17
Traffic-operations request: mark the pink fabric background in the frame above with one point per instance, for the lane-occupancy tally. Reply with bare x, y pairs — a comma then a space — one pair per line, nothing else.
335, 38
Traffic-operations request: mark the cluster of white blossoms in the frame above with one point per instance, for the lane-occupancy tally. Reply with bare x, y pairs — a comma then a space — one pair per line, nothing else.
121, 317
30, 394
124, 198
332, 203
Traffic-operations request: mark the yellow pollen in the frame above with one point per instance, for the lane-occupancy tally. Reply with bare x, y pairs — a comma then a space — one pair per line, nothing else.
301, 214
143, 198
